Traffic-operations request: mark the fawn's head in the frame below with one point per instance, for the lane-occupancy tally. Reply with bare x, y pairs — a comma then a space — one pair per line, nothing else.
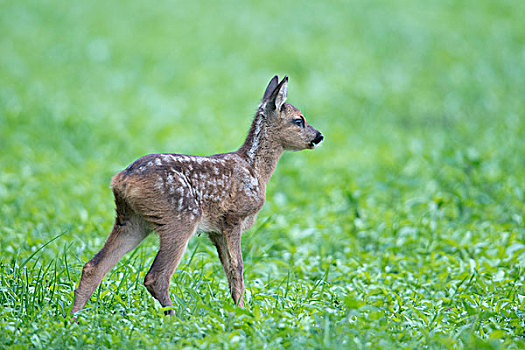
285, 123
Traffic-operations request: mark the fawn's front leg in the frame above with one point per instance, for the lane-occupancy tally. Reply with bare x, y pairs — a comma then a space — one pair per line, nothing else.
222, 250
232, 236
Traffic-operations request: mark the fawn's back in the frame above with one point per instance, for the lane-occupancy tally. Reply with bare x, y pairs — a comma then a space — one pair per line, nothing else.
205, 189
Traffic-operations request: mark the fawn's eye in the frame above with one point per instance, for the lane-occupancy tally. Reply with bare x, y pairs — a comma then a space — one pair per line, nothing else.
299, 122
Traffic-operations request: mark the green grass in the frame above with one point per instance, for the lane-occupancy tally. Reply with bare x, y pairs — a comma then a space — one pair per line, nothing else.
404, 230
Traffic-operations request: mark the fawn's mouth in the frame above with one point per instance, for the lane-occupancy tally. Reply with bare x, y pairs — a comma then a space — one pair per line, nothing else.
315, 142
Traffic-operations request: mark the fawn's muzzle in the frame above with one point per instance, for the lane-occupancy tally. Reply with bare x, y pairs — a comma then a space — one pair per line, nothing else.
318, 138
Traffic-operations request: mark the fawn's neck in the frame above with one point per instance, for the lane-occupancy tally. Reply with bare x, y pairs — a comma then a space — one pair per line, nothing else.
259, 149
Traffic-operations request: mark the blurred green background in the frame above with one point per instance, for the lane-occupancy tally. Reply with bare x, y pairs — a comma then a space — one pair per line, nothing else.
417, 190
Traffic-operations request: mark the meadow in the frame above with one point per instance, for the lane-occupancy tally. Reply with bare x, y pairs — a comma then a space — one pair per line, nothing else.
405, 229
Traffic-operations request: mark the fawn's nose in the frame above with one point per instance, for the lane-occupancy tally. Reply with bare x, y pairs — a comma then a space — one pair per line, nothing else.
318, 138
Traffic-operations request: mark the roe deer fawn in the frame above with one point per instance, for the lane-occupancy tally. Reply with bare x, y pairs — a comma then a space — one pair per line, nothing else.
178, 195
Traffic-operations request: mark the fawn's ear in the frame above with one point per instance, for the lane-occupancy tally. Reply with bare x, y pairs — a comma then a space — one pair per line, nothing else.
281, 92
271, 86
274, 99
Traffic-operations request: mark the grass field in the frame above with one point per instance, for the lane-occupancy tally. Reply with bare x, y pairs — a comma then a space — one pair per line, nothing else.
404, 230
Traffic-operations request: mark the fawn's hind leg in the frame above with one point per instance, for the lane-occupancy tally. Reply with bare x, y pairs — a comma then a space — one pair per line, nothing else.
174, 237
127, 233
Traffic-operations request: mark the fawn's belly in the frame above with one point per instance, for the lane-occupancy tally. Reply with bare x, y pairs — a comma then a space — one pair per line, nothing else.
208, 224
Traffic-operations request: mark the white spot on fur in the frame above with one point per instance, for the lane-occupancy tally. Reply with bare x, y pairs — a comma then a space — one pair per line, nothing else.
160, 183
181, 199
250, 186
216, 160
254, 182
157, 161
192, 192
256, 138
